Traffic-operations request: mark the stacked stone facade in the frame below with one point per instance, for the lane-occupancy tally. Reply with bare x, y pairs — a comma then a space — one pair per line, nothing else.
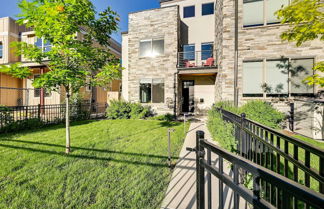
255, 43
150, 24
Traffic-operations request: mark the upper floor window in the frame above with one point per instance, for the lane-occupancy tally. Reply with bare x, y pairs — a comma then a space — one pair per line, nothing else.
44, 45
207, 9
189, 52
261, 12
151, 47
206, 50
188, 11
1, 50
281, 77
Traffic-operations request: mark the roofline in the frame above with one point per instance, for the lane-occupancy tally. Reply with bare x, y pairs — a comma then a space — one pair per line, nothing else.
152, 9
124, 32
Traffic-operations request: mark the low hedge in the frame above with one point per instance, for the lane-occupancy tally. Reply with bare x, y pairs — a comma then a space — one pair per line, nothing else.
127, 110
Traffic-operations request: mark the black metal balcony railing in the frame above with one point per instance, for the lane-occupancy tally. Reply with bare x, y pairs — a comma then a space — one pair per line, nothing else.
196, 59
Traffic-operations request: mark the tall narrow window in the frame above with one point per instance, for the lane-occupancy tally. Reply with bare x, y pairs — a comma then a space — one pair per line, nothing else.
158, 91
188, 11
206, 50
277, 77
152, 90
300, 69
207, 9
1, 50
189, 52
253, 12
252, 79
273, 6
145, 48
47, 46
158, 47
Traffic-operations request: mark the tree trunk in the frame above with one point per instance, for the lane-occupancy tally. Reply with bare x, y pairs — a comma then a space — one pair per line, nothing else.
67, 121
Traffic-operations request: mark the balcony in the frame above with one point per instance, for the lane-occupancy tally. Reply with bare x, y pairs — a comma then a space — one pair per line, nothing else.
196, 60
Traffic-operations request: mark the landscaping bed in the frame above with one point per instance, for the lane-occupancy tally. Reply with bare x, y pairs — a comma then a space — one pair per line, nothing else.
113, 164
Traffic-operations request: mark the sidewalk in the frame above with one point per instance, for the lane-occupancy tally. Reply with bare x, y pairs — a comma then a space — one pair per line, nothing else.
181, 193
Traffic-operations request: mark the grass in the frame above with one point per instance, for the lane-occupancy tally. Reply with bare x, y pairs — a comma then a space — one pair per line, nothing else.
113, 164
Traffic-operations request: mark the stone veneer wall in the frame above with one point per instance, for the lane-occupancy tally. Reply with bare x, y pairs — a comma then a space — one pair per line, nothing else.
255, 43
156, 23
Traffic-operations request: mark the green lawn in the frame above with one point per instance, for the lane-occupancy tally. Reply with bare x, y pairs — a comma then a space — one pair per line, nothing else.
113, 164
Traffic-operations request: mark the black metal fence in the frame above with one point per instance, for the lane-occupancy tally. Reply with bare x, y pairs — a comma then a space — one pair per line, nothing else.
48, 114
286, 192
285, 155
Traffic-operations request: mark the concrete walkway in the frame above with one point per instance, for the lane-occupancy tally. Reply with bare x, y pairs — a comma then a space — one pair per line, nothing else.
181, 193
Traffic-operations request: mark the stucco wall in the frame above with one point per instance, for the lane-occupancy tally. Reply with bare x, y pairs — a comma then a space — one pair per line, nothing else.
157, 23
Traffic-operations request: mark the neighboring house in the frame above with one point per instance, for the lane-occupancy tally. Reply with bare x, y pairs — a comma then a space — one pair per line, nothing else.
15, 92
180, 57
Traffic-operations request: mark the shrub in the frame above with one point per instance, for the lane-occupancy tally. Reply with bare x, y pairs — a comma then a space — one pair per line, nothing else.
263, 112
127, 110
166, 117
29, 124
221, 131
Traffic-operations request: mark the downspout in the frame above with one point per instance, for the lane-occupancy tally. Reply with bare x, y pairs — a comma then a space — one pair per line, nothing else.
236, 55
175, 93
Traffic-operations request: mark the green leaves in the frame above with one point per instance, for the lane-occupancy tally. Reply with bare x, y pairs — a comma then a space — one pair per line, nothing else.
79, 55
16, 70
306, 20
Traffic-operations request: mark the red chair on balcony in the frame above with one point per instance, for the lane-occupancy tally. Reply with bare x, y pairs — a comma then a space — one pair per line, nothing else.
188, 64
209, 62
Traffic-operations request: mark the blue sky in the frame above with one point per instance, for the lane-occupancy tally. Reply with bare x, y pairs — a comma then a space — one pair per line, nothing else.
122, 7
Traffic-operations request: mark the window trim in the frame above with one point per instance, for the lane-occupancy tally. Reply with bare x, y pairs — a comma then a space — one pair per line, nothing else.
213, 3
151, 41
264, 78
194, 51
206, 43
194, 15
43, 44
151, 82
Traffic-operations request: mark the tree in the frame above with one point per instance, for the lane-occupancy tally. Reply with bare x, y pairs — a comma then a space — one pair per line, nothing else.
73, 62
306, 21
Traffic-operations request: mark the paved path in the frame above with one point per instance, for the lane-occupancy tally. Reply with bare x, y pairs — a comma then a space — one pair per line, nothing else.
181, 193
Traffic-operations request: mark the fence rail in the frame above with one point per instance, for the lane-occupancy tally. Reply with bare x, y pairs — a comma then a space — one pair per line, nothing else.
286, 191
285, 155
48, 114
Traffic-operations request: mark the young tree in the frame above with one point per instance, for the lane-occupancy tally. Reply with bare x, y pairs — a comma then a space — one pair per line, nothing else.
306, 21
73, 62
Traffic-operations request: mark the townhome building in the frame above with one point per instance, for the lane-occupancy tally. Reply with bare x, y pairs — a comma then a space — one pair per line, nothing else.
180, 58
18, 92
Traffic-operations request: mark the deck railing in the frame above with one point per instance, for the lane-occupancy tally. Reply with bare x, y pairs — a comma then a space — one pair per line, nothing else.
197, 59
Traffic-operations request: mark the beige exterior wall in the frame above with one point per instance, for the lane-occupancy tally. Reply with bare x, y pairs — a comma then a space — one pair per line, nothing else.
198, 29
125, 66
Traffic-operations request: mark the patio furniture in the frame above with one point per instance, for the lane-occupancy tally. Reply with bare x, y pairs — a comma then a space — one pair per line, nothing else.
209, 62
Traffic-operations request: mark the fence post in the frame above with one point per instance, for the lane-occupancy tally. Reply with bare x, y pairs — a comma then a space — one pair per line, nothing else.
242, 142
39, 111
321, 169
292, 116
169, 145
200, 171
26, 116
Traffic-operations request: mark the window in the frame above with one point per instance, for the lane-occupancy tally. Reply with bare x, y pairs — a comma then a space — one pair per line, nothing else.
151, 48
152, 90
301, 69
252, 79
273, 78
189, 52
272, 7
44, 45
1, 50
188, 11
37, 91
207, 9
206, 50
254, 14
276, 78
